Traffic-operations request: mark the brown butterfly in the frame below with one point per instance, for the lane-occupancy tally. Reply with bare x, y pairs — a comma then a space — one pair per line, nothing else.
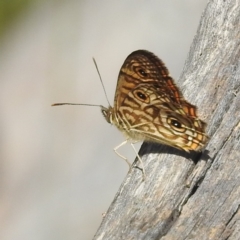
148, 106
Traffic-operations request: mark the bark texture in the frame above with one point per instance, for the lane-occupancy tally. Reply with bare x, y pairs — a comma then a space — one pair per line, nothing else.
196, 195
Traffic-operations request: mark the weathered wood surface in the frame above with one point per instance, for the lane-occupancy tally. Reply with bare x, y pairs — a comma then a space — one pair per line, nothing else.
192, 196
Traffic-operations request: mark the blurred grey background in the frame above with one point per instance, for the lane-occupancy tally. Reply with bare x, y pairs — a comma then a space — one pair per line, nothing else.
59, 173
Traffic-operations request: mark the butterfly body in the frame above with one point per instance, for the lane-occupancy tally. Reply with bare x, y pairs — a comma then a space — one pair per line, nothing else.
148, 106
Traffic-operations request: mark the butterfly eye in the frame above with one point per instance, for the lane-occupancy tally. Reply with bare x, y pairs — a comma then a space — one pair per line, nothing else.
176, 124
107, 115
104, 113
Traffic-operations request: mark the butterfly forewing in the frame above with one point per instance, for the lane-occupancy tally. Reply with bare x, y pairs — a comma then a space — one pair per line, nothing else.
149, 106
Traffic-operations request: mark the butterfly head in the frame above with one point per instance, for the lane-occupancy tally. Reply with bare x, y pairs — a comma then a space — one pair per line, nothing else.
107, 113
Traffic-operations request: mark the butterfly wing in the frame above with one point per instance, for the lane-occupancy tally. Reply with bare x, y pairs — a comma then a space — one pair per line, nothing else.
144, 67
149, 106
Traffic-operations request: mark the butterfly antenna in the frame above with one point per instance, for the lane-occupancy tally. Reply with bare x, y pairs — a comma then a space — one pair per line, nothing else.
101, 81
82, 104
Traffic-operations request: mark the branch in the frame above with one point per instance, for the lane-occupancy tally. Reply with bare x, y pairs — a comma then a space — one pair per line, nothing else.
197, 195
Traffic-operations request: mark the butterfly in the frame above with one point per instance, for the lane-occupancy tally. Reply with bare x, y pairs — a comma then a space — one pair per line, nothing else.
148, 106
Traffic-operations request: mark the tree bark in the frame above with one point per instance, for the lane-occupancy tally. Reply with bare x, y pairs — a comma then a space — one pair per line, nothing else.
196, 195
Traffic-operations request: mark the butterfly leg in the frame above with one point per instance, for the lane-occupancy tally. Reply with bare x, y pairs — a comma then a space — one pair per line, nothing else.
121, 156
140, 160
124, 158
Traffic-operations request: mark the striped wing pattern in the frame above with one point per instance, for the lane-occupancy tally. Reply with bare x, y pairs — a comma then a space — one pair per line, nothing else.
148, 106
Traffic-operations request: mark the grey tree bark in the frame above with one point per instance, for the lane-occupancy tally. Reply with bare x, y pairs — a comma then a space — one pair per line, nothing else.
196, 195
